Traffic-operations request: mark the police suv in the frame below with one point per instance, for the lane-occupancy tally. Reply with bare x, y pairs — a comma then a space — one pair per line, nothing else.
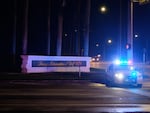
123, 73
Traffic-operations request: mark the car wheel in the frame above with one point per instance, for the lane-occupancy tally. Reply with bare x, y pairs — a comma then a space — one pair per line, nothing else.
110, 84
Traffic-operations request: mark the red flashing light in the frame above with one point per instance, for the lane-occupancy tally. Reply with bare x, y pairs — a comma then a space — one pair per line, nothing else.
128, 46
130, 62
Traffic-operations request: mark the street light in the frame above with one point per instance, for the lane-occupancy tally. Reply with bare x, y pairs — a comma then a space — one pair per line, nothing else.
97, 45
66, 34
136, 36
109, 41
103, 9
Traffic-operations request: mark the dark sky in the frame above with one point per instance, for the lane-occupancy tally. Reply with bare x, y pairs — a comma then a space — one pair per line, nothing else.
111, 25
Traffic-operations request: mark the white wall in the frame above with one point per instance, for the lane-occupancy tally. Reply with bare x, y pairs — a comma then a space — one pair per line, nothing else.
39, 64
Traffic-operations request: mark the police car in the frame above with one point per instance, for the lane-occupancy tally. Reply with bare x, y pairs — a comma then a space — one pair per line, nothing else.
123, 73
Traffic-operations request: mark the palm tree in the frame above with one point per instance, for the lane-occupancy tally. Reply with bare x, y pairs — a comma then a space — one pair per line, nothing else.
60, 26
25, 36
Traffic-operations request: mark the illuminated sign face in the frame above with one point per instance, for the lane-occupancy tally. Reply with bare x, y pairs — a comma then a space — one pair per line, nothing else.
40, 63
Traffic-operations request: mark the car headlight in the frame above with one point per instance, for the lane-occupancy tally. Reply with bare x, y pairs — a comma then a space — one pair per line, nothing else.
119, 76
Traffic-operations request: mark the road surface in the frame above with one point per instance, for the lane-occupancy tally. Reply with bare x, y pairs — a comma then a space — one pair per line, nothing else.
61, 96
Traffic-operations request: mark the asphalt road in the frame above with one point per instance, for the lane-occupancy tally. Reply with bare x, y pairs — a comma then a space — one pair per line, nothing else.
66, 96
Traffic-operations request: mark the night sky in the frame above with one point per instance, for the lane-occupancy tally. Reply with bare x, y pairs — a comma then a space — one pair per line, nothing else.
111, 25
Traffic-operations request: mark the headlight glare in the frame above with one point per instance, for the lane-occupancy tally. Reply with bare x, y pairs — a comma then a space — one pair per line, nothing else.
119, 76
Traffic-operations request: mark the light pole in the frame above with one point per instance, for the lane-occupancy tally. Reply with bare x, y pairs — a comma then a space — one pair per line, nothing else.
130, 27
130, 32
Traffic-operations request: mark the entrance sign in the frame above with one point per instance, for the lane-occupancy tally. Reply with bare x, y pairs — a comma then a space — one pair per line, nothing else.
39, 64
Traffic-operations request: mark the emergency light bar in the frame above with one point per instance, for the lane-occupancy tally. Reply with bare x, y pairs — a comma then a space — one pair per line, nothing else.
122, 62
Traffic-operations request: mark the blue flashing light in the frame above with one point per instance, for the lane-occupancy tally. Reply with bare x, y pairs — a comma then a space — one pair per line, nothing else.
122, 62
131, 68
117, 62
134, 74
